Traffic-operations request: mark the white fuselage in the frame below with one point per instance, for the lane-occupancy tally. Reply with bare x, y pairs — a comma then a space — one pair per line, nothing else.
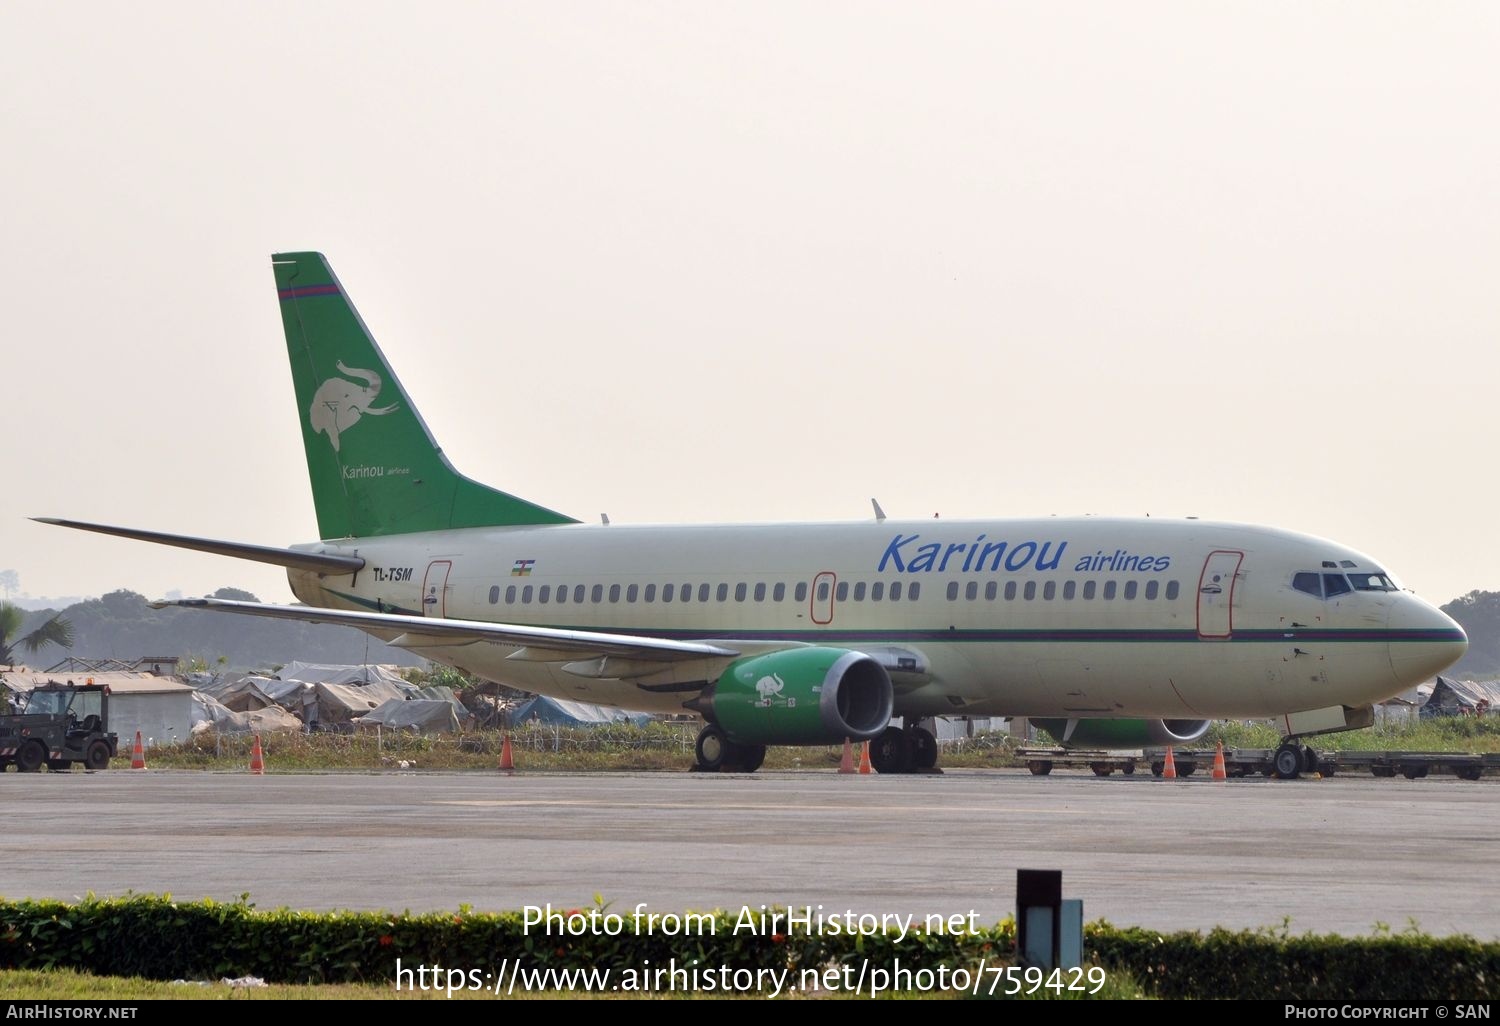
1074, 617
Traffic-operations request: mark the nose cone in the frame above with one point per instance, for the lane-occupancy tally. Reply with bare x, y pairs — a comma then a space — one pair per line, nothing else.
1423, 640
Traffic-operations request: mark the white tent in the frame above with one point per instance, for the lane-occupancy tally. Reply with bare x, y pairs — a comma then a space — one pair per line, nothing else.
420, 716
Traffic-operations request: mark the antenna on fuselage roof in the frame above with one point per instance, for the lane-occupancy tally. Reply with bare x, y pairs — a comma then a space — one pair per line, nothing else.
604, 519
879, 513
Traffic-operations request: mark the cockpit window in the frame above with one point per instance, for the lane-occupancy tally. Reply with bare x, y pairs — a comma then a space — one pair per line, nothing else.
1335, 584
1310, 583
1372, 582
1327, 585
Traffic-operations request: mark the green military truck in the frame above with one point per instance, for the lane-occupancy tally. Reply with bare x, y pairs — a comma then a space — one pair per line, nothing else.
61, 724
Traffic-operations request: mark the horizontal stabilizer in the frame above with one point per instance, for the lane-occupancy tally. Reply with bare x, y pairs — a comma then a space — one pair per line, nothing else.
318, 562
446, 631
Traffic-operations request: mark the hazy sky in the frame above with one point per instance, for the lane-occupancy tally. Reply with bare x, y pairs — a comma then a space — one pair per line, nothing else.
760, 261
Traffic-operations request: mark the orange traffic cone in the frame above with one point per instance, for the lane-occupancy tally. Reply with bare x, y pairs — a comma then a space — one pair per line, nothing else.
1219, 771
864, 760
507, 761
1169, 771
138, 753
846, 764
257, 759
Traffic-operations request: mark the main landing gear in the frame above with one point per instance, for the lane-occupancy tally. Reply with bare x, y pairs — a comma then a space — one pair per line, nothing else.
717, 754
897, 750
1293, 759
904, 750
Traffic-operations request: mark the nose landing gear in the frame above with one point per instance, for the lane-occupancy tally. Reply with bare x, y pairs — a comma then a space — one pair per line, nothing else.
1293, 759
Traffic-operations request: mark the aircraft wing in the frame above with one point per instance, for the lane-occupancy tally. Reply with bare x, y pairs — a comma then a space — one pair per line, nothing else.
542, 644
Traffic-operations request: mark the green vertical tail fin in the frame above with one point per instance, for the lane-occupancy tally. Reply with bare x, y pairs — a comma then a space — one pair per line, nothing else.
374, 466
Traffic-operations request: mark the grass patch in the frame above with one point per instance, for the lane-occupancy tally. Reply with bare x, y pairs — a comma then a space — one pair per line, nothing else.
669, 747
656, 746
1439, 734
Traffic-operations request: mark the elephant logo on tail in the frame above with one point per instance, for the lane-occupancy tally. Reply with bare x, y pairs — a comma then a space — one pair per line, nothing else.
338, 403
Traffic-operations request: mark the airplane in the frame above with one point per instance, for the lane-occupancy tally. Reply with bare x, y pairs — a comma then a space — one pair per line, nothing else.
1106, 631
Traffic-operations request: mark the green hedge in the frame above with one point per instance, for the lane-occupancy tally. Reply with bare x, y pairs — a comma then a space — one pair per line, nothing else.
157, 938
1402, 967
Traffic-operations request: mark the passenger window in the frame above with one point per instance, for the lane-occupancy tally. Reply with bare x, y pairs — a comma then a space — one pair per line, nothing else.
1010, 591
614, 593
545, 595
822, 591
1171, 590
740, 591
668, 592
1030, 591
650, 593
800, 594
760, 592
877, 591
526, 594
971, 590
703, 593
991, 590
578, 593
1151, 589
632, 592
1335, 584
1109, 590
1310, 583
597, 594
562, 593
842, 591
896, 591
859, 591
952, 591
913, 591
778, 593
1049, 590
687, 593
494, 594
723, 592
1130, 589
1089, 587
1069, 588
510, 595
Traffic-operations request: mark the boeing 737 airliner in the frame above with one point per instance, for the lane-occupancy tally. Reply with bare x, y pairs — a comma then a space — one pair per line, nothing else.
1112, 631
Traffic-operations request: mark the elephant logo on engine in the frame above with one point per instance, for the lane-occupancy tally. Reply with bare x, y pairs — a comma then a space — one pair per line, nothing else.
769, 687
339, 403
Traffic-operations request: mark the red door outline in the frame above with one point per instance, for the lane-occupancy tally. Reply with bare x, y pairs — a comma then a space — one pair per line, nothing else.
435, 588
831, 579
1215, 599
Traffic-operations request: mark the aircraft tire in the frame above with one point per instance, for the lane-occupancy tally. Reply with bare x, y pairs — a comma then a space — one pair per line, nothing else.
712, 749
924, 748
1288, 761
747, 758
891, 752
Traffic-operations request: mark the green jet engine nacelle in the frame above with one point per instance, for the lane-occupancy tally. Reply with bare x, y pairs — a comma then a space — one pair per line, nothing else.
1101, 733
800, 696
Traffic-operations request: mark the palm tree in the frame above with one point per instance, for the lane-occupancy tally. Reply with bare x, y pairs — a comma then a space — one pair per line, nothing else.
56, 631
